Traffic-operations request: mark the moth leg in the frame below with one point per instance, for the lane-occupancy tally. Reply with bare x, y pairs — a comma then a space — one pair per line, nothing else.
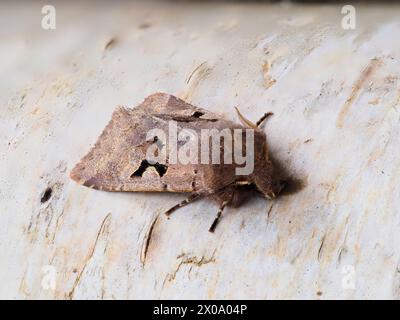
241, 183
263, 118
185, 202
218, 217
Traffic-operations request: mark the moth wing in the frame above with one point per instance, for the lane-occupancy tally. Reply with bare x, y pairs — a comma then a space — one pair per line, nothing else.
117, 162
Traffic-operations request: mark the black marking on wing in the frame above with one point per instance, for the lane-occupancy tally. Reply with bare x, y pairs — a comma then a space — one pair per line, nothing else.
160, 168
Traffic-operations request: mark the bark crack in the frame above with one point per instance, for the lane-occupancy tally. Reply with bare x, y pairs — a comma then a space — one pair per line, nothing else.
102, 230
146, 242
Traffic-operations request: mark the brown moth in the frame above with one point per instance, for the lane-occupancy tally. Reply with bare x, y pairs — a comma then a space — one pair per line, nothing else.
119, 160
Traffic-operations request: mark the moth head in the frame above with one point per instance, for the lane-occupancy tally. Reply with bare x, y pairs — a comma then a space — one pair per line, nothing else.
268, 188
264, 187
263, 177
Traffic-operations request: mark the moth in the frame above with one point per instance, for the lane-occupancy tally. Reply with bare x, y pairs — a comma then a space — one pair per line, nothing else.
119, 160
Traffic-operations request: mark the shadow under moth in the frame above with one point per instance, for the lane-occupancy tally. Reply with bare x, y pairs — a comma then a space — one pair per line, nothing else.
203, 156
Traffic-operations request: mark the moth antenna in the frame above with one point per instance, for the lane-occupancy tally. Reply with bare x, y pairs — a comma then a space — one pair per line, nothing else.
263, 118
218, 217
185, 202
244, 121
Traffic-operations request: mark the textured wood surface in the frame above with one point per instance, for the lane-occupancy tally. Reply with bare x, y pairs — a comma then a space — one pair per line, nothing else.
335, 130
